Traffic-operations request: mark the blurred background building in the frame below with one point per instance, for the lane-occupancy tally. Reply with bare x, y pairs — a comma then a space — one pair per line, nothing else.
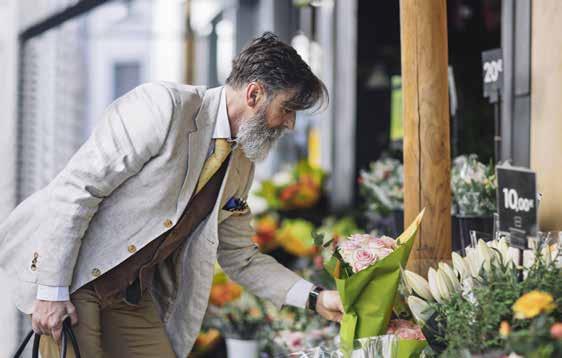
63, 61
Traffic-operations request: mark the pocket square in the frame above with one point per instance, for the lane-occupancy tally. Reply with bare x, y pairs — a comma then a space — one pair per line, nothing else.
235, 204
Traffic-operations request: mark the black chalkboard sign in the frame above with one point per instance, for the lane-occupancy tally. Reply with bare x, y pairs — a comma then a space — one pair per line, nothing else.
517, 203
492, 74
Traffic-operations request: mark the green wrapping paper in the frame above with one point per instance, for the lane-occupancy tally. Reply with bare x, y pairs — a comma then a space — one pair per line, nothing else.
410, 348
368, 295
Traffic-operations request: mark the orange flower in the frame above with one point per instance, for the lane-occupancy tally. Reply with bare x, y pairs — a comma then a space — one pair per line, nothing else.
263, 239
207, 339
224, 293
505, 329
289, 192
306, 197
266, 227
556, 330
532, 304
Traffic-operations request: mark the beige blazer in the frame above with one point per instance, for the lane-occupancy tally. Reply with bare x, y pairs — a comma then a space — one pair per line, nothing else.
124, 187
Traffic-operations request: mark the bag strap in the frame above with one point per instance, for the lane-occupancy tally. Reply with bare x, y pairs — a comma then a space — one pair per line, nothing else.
23, 344
67, 334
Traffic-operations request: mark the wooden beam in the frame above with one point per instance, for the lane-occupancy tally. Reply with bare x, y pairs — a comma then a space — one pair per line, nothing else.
546, 126
427, 159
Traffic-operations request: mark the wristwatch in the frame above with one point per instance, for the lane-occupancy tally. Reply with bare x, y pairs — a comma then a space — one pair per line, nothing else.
313, 297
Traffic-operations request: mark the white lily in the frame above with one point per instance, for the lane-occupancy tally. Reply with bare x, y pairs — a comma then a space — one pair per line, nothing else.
451, 275
473, 261
503, 248
545, 253
485, 253
444, 285
513, 255
420, 309
432, 279
418, 284
460, 265
496, 255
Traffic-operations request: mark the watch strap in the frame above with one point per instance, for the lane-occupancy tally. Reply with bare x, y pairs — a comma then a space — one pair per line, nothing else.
313, 297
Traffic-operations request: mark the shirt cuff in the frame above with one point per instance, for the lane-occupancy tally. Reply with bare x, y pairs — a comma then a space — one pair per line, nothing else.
53, 293
298, 294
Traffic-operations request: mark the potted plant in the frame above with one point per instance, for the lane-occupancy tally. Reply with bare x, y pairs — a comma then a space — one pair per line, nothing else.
473, 186
382, 187
296, 192
241, 322
482, 306
294, 330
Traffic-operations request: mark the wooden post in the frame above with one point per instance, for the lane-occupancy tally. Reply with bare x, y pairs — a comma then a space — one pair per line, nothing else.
427, 162
546, 127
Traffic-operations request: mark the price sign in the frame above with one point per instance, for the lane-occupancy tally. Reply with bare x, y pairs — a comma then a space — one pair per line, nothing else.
492, 72
517, 204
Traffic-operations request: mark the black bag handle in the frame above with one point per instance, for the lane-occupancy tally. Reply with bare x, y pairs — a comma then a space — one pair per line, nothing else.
67, 334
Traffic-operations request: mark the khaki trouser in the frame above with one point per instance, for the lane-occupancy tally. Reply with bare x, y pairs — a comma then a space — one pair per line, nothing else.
113, 328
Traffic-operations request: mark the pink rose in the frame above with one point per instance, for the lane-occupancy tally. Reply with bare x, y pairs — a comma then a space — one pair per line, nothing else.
375, 244
405, 329
293, 340
556, 331
382, 253
348, 245
361, 259
386, 241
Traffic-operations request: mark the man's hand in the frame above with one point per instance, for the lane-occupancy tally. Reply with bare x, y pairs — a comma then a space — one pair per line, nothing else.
329, 305
47, 317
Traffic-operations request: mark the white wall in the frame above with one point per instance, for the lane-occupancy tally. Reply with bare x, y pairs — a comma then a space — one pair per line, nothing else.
8, 131
152, 34
8, 58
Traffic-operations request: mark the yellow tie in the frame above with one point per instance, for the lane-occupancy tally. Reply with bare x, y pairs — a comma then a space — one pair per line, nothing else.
213, 163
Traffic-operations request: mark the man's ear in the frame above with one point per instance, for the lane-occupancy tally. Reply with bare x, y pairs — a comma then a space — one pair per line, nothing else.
254, 94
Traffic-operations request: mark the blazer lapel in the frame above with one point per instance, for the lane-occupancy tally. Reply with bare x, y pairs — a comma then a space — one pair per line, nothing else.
199, 139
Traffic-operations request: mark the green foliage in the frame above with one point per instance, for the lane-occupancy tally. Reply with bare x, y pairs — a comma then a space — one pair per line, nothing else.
471, 320
241, 319
534, 341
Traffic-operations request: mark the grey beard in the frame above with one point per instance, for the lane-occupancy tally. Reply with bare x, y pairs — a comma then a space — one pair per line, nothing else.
256, 138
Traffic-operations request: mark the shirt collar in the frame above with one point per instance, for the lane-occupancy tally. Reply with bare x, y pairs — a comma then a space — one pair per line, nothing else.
222, 127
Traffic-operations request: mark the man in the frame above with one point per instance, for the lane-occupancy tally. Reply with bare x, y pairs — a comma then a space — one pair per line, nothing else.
124, 240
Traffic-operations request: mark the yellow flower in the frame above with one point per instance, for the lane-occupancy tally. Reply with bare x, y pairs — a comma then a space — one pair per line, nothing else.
532, 304
505, 329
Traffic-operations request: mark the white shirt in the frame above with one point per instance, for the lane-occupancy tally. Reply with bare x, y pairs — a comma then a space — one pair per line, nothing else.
297, 295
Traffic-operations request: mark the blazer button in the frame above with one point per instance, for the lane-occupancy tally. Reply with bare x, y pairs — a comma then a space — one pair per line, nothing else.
33, 267
132, 248
168, 223
96, 272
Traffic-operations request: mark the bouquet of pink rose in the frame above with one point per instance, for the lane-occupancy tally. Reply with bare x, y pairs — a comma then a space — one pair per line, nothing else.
360, 251
367, 272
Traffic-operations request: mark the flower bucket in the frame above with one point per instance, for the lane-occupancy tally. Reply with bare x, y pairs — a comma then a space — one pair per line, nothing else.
238, 348
466, 224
